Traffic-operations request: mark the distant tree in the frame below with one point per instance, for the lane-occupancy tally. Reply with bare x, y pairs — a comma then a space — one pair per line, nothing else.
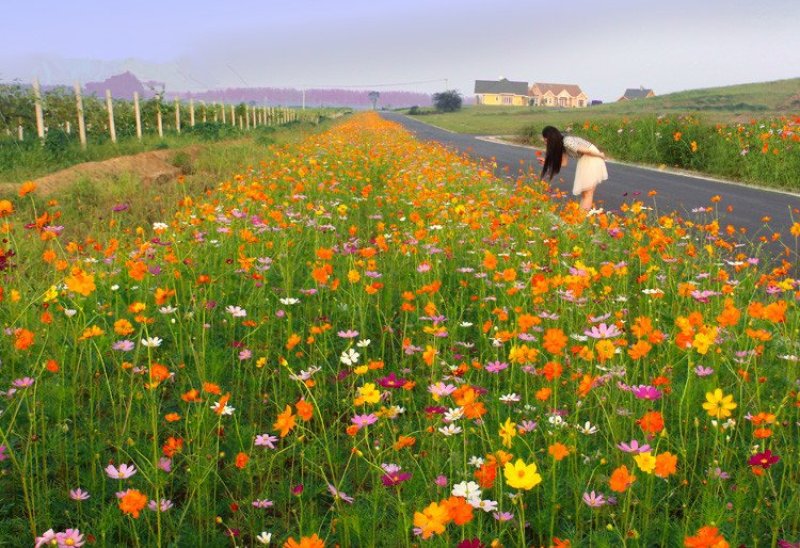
447, 101
374, 96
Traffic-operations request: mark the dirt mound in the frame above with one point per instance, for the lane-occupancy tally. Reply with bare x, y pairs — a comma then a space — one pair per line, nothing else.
153, 167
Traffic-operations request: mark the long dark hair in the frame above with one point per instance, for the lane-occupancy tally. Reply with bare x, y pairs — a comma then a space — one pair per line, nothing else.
554, 153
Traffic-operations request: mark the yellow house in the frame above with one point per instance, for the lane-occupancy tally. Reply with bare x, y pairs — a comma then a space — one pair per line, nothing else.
501, 92
558, 95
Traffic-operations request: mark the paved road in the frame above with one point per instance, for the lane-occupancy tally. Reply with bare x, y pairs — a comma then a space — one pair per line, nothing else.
676, 192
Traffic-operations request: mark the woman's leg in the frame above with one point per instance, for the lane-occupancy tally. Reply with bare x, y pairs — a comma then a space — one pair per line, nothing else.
586, 199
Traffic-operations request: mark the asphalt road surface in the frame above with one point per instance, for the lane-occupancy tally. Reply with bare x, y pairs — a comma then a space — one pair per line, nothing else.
676, 192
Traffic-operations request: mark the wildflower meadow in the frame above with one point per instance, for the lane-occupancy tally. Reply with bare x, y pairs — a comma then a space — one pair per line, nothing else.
372, 341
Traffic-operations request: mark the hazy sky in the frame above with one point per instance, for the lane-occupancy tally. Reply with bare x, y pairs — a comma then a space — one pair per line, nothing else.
602, 46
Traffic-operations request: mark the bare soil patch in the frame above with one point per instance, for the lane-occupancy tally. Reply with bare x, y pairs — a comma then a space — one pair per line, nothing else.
152, 167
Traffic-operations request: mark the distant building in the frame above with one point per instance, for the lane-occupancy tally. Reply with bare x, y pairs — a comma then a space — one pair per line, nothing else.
558, 95
637, 93
501, 92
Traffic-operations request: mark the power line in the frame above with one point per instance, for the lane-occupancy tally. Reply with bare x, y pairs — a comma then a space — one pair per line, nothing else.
375, 85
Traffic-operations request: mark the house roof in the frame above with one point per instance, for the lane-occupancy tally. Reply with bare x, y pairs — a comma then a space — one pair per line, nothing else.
573, 89
501, 86
637, 93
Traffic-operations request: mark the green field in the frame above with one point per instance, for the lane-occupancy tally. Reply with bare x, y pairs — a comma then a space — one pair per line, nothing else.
727, 104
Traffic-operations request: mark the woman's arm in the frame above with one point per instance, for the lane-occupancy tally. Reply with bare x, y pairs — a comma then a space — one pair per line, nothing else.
590, 152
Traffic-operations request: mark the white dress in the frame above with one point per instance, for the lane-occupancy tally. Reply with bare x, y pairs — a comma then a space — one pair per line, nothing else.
590, 171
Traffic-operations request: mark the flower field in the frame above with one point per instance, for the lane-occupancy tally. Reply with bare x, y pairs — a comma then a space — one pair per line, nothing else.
763, 151
372, 341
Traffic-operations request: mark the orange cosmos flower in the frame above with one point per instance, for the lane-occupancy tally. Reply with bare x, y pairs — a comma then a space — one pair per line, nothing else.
554, 340
241, 460
404, 441
172, 446
651, 422
304, 410
305, 542
621, 479
706, 537
133, 502
80, 282
666, 464
432, 520
558, 450
26, 188
458, 508
285, 422
23, 339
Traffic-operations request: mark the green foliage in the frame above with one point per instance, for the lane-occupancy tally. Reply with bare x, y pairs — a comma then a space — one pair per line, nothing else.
447, 101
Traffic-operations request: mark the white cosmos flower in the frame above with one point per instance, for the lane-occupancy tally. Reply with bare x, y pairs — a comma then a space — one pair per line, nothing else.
236, 311
264, 537
167, 309
289, 301
160, 226
510, 398
450, 430
486, 505
587, 428
152, 342
466, 324
475, 461
363, 343
69, 312
453, 414
349, 357
467, 489
227, 410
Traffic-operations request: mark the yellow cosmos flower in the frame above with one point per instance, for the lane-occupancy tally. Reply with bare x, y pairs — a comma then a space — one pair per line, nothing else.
646, 462
507, 432
521, 476
719, 405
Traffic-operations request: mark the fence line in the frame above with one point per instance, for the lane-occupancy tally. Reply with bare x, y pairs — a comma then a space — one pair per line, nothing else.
248, 116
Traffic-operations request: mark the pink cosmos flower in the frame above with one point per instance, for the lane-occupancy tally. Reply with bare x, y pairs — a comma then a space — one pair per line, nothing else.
266, 440
603, 331
78, 494
123, 472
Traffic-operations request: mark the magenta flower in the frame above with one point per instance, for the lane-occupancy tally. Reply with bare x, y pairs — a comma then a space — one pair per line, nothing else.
646, 392
3, 455
441, 481
78, 494
394, 479
764, 459
391, 381
123, 472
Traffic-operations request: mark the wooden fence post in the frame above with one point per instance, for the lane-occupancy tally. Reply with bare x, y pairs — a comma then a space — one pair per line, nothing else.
216, 113
159, 121
68, 127
223, 114
138, 114
233, 116
241, 123
37, 105
20, 131
191, 112
205, 112
112, 130
81, 121
177, 116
